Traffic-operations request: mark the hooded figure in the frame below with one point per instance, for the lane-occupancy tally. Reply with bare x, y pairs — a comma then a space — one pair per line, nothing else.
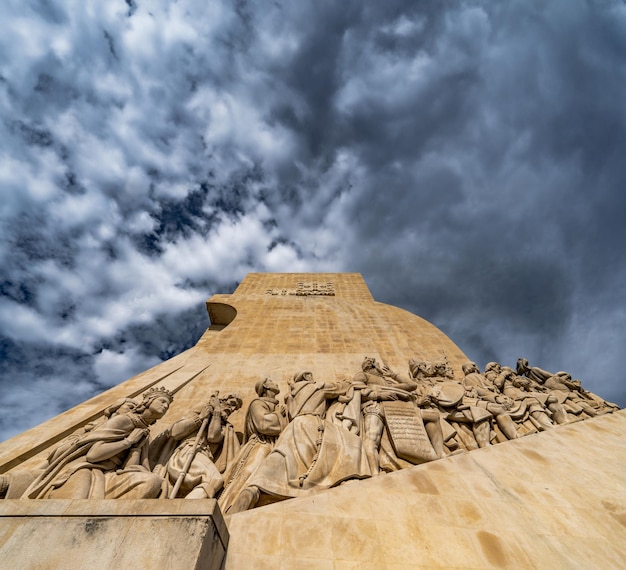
265, 420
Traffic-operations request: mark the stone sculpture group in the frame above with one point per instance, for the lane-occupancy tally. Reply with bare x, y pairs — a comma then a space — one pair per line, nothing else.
321, 436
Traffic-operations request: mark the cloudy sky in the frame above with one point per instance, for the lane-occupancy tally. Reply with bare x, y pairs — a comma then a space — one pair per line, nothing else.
468, 158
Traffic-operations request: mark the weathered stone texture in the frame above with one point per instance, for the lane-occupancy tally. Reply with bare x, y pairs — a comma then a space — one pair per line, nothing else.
551, 500
112, 534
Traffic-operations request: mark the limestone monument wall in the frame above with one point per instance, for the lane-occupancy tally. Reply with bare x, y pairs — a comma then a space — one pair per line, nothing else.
393, 451
553, 500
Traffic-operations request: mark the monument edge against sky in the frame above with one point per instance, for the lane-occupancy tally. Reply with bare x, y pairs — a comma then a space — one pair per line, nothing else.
245, 313
282, 326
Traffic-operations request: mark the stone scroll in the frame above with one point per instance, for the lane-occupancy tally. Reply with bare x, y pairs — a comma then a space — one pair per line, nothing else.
407, 433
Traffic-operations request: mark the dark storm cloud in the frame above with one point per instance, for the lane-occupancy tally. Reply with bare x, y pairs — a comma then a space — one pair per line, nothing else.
31, 372
465, 157
489, 141
522, 212
176, 333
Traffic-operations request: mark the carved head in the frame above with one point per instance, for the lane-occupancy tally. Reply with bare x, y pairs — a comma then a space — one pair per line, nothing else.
442, 370
421, 368
522, 366
521, 382
267, 385
159, 405
369, 364
493, 367
230, 404
509, 373
508, 403
304, 376
563, 375
164, 396
470, 368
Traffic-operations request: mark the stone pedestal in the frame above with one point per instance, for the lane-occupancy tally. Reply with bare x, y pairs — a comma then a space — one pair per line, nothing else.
112, 534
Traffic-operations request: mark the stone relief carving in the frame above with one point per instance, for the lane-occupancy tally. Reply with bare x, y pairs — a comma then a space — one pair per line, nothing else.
192, 453
312, 453
265, 420
463, 410
412, 435
568, 398
14, 483
326, 433
109, 461
478, 389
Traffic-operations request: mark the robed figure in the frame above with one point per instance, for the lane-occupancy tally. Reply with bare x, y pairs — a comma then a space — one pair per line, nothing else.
265, 420
193, 452
109, 462
312, 453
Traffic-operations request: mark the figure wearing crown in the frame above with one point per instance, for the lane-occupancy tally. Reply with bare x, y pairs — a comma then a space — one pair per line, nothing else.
108, 462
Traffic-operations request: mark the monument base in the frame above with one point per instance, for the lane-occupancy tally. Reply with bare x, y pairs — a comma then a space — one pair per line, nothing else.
112, 534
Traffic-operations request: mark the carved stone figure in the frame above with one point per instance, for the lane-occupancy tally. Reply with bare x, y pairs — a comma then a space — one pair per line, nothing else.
265, 420
478, 389
533, 372
530, 404
345, 411
468, 416
383, 386
14, 483
597, 403
568, 398
377, 379
108, 462
538, 378
312, 453
518, 409
192, 453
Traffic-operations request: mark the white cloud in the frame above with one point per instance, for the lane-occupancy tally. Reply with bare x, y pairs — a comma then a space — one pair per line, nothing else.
112, 368
146, 159
405, 26
23, 323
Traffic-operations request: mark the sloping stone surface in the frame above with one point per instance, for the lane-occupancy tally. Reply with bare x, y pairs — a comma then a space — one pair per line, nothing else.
550, 500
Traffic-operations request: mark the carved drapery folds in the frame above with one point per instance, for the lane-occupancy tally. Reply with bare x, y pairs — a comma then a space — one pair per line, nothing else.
320, 435
191, 454
106, 460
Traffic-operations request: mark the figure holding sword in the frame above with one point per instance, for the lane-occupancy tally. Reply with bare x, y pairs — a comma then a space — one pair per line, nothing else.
192, 453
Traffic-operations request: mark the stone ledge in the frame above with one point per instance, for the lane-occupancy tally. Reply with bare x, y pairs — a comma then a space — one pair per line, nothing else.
112, 534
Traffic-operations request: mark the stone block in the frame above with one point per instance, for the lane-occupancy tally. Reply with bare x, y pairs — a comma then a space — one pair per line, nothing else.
112, 534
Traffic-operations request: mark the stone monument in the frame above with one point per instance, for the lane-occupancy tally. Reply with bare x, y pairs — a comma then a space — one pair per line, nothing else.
330, 431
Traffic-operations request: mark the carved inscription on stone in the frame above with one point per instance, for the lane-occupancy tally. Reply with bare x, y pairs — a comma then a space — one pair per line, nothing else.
407, 432
305, 288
